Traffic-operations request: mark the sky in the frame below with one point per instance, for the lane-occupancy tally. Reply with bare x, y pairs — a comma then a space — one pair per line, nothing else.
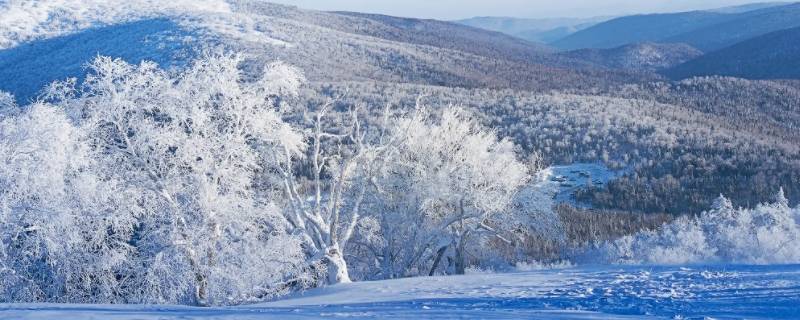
459, 9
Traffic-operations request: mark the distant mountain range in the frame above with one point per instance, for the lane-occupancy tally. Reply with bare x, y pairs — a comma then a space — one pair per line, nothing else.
535, 30
754, 41
775, 55
705, 30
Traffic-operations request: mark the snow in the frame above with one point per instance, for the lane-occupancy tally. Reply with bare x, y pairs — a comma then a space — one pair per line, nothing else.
35, 64
631, 292
26, 20
44, 41
766, 234
23, 20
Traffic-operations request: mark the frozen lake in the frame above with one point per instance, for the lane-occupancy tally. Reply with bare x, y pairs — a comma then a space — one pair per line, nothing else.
611, 292
567, 179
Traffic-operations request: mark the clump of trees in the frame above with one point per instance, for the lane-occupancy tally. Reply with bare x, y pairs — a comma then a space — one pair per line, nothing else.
767, 234
139, 185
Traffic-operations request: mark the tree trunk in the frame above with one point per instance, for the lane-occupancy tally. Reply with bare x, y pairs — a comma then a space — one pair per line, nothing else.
439, 254
201, 290
337, 266
460, 257
200, 280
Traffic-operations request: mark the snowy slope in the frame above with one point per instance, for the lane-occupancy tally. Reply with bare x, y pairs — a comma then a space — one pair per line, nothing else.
328, 47
25, 20
718, 292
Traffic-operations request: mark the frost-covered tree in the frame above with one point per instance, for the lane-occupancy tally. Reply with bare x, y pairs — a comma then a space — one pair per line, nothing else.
768, 233
327, 209
189, 144
162, 199
37, 150
441, 188
6, 101
65, 230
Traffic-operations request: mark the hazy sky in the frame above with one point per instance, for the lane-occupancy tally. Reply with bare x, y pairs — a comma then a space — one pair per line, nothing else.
456, 9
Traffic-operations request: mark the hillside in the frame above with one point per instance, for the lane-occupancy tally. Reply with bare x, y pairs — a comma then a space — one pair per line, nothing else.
686, 142
239, 159
705, 30
27, 68
771, 56
447, 35
639, 28
328, 47
640, 56
744, 26
535, 30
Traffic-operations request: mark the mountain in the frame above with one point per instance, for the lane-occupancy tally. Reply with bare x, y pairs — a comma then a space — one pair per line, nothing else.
744, 26
327, 46
772, 56
749, 7
639, 56
535, 30
705, 30
446, 35
638, 28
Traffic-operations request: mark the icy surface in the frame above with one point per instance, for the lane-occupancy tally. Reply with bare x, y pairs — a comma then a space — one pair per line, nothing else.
567, 179
695, 292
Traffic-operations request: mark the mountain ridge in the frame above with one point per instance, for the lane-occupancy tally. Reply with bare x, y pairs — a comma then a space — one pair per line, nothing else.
705, 30
770, 56
536, 30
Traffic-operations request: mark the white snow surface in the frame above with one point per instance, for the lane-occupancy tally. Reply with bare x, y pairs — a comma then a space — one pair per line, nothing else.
24, 20
640, 292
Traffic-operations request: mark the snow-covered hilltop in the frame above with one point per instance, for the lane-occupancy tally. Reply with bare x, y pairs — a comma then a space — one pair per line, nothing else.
25, 20
328, 47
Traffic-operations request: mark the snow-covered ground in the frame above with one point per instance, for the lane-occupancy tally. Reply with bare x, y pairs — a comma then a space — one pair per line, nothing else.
712, 292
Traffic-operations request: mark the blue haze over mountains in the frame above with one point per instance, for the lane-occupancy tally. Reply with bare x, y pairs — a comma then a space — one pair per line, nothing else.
755, 41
